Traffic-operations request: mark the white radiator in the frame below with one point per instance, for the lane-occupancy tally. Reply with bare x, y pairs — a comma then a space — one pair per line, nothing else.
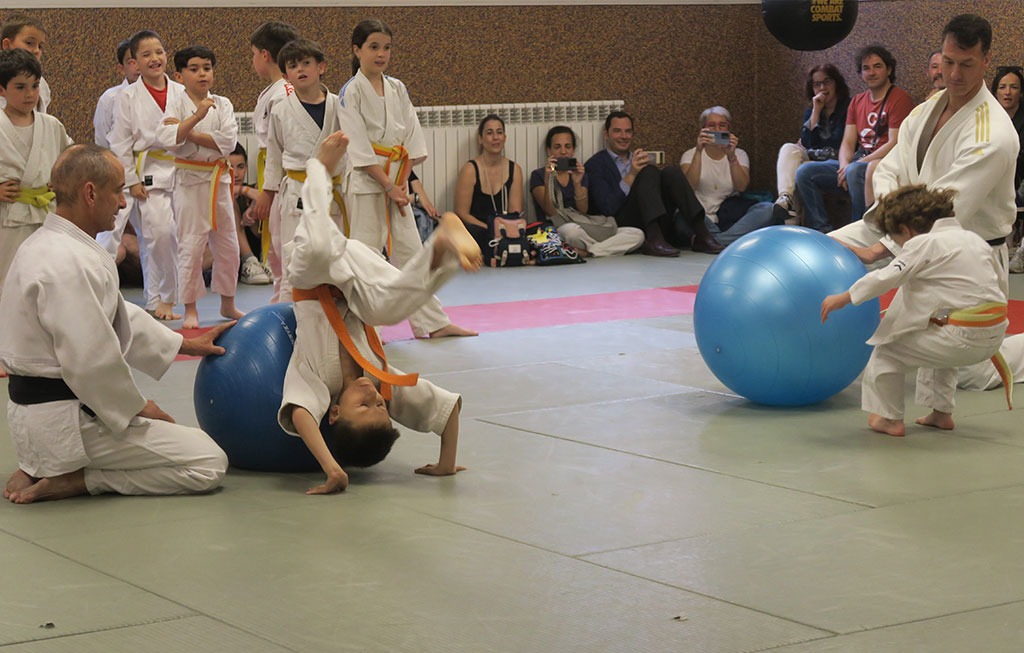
450, 133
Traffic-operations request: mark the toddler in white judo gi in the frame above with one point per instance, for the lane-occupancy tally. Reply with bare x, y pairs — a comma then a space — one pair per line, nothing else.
949, 310
342, 290
29, 144
199, 128
386, 141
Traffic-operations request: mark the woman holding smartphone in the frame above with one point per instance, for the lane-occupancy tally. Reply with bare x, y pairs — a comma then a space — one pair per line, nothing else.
718, 171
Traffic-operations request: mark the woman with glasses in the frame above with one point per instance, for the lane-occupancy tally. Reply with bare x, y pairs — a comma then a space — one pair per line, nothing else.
1006, 86
822, 133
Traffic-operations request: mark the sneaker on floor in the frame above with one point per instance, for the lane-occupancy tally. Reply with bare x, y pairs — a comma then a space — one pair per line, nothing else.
253, 273
266, 268
1017, 262
785, 201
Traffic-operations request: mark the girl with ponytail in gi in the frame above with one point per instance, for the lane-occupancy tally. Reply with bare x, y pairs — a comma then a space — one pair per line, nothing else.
385, 141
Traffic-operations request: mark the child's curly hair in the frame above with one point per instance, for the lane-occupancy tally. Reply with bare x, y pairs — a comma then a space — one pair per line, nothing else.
917, 207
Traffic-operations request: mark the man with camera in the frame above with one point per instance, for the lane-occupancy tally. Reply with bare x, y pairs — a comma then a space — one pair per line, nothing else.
872, 123
626, 184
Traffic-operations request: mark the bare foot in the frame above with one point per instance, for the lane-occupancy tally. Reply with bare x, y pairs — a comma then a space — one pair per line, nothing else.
18, 481
191, 317
452, 330
938, 419
164, 311
451, 236
228, 310
53, 488
890, 426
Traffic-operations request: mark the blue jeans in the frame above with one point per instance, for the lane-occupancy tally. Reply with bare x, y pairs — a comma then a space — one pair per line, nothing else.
816, 177
758, 216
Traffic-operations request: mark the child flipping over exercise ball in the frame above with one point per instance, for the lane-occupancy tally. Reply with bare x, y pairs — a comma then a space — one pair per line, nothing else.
342, 290
948, 312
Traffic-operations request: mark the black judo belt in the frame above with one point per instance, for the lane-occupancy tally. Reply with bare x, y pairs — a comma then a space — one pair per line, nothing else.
31, 390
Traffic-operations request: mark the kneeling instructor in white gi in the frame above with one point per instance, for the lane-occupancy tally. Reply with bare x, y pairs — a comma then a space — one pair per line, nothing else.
68, 340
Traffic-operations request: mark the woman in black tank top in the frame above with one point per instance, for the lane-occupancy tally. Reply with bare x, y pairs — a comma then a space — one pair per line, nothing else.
488, 185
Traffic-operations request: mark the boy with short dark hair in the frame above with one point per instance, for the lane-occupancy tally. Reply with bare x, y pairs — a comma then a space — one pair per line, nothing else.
266, 43
298, 125
199, 128
149, 169
106, 106
30, 143
26, 32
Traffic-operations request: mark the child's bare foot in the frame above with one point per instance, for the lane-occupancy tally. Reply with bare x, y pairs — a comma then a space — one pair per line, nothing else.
890, 426
55, 487
164, 311
228, 310
452, 330
191, 317
451, 236
938, 419
18, 481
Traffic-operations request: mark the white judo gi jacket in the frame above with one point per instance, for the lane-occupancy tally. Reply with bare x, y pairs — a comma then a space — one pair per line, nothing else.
374, 292
106, 111
974, 153
369, 119
63, 316
135, 132
48, 140
944, 270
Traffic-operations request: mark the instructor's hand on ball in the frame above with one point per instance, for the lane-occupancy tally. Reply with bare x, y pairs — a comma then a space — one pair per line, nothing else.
834, 303
203, 345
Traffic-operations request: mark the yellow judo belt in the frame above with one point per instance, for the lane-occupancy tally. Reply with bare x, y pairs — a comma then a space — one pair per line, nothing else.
215, 169
989, 314
300, 176
401, 155
140, 159
264, 228
39, 197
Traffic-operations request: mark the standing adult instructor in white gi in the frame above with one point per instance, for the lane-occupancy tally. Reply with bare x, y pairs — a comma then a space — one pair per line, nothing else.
961, 139
68, 340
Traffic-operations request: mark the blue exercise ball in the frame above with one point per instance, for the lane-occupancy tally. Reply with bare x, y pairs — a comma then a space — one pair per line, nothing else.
237, 395
757, 317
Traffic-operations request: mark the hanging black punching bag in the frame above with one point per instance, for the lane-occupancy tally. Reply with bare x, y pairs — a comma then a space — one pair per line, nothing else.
809, 24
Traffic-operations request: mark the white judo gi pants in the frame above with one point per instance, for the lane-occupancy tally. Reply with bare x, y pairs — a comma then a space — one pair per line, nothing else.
11, 239
936, 352
791, 157
625, 240
984, 376
158, 247
274, 253
149, 457
289, 215
111, 240
195, 231
368, 224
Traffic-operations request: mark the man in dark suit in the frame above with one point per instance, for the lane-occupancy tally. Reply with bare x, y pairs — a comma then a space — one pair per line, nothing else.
623, 183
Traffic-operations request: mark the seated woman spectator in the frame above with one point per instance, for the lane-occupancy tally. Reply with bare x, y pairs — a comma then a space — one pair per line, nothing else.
489, 185
718, 172
561, 195
822, 132
1006, 86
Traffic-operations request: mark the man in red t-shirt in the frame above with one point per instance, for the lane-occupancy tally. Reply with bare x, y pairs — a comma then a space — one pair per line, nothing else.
868, 137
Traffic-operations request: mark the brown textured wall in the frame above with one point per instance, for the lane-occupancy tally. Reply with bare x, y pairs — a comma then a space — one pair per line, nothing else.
668, 62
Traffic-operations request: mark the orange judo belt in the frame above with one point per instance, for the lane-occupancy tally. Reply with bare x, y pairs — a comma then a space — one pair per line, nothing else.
216, 169
326, 294
989, 314
401, 155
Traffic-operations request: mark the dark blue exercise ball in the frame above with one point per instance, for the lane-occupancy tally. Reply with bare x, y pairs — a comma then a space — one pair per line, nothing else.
757, 317
809, 24
237, 395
